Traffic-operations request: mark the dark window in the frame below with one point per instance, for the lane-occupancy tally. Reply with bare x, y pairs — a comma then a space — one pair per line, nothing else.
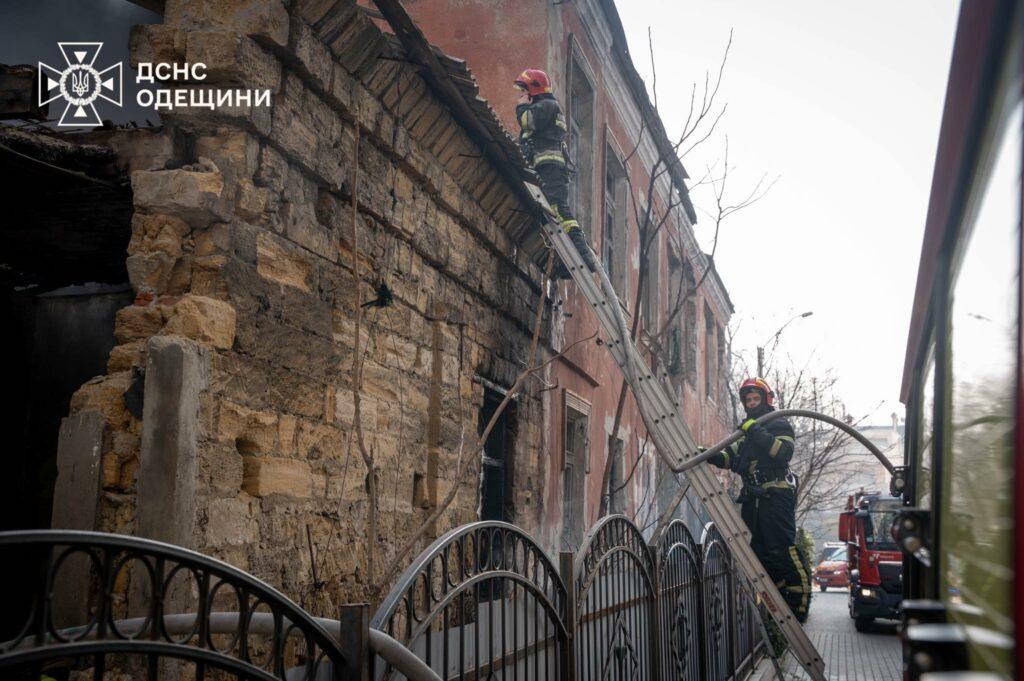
675, 363
496, 475
495, 481
727, 404
617, 502
709, 353
575, 450
652, 285
614, 238
690, 336
581, 146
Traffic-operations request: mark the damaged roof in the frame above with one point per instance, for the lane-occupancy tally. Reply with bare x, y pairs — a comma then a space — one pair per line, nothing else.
620, 50
496, 177
452, 81
68, 210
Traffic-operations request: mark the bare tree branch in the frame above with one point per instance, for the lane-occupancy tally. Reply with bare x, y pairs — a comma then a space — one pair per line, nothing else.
465, 468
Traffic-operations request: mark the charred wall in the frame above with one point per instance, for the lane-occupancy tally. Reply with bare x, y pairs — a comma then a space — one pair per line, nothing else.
241, 262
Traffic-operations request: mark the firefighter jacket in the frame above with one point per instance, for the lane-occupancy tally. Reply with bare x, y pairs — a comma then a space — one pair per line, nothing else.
761, 456
542, 130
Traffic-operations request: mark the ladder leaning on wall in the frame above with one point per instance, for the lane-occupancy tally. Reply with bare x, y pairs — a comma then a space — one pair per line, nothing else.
660, 412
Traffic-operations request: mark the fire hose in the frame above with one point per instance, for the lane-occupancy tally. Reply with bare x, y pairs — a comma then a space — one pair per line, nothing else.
737, 434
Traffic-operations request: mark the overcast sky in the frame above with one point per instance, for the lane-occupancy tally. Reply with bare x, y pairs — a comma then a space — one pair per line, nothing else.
841, 101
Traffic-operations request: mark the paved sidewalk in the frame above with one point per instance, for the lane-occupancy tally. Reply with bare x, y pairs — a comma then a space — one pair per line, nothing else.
849, 655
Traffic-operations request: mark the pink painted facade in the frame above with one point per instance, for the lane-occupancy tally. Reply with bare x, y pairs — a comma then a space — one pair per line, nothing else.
498, 39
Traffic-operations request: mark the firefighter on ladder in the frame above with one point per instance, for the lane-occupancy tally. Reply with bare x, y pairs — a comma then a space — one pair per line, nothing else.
761, 457
542, 139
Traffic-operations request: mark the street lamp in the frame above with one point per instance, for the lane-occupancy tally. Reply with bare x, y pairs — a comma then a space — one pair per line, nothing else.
775, 337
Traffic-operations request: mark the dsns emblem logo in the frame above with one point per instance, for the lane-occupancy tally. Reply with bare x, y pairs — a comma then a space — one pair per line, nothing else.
80, 84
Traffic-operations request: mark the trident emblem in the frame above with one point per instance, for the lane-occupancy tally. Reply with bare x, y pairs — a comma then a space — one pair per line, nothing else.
80, 84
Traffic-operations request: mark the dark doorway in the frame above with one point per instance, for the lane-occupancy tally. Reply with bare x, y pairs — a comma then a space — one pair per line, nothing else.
495, 481
63, 245
59, 340
496, 478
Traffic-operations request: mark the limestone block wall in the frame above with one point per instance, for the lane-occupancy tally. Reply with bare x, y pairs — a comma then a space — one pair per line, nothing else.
227, 403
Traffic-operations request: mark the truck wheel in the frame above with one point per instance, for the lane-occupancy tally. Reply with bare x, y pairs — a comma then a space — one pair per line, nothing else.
823, 587
861, 623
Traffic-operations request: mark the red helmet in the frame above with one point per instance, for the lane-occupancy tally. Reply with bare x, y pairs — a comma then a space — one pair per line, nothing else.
761, 386
534, 81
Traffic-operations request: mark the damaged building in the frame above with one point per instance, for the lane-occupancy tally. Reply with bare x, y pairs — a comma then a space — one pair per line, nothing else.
242, 327
616, 141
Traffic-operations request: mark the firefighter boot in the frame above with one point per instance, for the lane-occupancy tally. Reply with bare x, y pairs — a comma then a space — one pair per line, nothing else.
579, 240
797, 590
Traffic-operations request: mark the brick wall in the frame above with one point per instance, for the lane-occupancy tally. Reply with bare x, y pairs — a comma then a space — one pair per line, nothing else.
241, 255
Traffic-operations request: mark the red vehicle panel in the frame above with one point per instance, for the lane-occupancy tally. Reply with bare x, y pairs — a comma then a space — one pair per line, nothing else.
874, 561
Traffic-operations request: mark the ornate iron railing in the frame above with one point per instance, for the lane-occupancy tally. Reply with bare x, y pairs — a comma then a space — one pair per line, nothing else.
615, 603
681, 604
719, 597
97, 602
618, 609
482, 601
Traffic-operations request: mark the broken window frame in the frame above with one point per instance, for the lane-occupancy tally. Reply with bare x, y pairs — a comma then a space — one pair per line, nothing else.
616, 483
615, 220
575, 457
710, 353
723, 366
652, 286
496, 468
580, 114
674, 362
690, 349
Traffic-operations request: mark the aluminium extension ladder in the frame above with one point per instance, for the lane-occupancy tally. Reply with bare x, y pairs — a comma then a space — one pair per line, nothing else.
660, 413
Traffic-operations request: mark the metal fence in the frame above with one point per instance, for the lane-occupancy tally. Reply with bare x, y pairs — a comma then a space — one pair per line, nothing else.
616, 590
484, 601
681, 600
87, 604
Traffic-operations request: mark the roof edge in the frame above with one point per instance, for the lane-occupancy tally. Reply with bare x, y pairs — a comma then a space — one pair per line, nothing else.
620, 50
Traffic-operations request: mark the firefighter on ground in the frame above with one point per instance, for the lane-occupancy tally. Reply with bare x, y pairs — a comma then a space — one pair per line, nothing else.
761, 457
542, 139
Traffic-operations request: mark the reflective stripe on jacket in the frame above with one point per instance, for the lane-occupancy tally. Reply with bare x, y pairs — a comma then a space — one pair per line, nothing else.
542, 130
765, 449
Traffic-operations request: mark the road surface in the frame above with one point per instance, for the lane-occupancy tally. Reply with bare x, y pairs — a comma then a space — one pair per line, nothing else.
849, 655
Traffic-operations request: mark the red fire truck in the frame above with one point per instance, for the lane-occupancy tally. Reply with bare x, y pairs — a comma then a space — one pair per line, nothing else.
875, 561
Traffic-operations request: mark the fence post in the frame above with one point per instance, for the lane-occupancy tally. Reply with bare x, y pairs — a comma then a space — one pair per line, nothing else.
657, 618
354, 640
730, 613
566, 567
702, 616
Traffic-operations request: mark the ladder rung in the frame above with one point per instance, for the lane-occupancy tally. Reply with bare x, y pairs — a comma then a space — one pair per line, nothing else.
671, 437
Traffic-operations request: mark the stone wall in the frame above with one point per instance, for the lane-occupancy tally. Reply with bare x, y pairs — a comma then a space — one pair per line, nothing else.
230, 384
